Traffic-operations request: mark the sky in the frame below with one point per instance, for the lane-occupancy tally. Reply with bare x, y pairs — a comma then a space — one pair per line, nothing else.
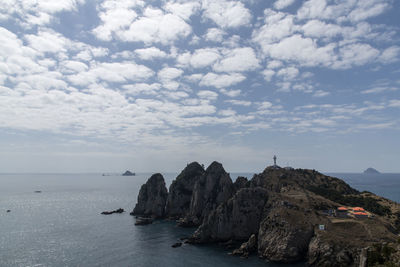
105, 86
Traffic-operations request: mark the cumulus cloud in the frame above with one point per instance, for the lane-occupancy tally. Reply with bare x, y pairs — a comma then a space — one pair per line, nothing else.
183, 10
153, 26
204, 57
239, 102
281, 4
115, 72
231, 93
215, 35
41, 12
227, 14
150, 53
288, 73
167, 76
237, 60
206, 94
221, 80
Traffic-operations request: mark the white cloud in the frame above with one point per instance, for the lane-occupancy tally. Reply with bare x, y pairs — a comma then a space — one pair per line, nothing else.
169, 73
268, 74
301, 50
239, 102
281, 4
154, 26
317, 28
264, 105
206, 94
355, 54
142, 88
194, 78
227, 14
215, 35
118, 72
41, 12
116, 16
390, 55
342, 10
273, 64
183, 10
47, 41
288, 73
150, 53
321, 93
231, 93
71, 66
395, 103
277, 25
379, 89
204, 57
237, 60
221, 80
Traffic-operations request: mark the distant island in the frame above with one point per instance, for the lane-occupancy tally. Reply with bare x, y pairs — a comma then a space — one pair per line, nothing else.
282, 215
128, 173
371, 171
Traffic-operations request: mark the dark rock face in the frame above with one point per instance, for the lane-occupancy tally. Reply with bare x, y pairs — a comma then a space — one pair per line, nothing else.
237, 219
181, 190
213, 188
152, 197
285, 233
113, 211
247, 247
322, 253
241, 182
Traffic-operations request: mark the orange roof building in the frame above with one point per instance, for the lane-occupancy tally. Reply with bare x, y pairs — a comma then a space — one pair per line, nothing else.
360, 214
342, 209
358, 209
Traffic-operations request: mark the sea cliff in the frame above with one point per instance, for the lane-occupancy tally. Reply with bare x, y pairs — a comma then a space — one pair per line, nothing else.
283, 215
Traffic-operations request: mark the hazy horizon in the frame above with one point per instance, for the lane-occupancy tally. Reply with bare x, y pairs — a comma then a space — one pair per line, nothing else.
94, 86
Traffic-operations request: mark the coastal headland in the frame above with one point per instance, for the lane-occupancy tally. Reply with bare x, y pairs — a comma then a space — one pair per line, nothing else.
282, 214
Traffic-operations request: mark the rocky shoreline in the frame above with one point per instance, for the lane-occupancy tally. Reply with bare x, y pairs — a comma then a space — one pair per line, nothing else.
280, 214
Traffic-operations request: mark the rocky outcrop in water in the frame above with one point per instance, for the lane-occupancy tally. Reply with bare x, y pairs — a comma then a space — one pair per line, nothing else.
237, 218
181, 190
152, 198
247, 247
213, 188
113, 211
282, 214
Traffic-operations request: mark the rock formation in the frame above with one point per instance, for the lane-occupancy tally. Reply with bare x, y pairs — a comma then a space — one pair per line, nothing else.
152, 198
213, 188
282, 214
128, 173
181, 190
371, 171
247, 247
113, 211
237, 218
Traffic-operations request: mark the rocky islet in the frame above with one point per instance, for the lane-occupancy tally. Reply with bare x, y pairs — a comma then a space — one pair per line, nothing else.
276, 214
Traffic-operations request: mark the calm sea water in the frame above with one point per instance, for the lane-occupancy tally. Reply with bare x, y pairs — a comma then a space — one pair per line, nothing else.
62, 226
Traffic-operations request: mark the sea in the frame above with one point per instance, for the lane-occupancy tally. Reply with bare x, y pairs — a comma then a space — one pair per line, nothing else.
62, 225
